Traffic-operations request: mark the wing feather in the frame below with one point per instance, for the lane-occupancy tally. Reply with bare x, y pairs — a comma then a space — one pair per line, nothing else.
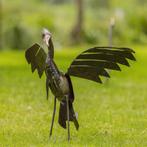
125, 52
36, 56
98, 64
89, 73
93, 62
105, 57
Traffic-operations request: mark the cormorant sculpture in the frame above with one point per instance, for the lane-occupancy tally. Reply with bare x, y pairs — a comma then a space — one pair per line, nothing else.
90, 64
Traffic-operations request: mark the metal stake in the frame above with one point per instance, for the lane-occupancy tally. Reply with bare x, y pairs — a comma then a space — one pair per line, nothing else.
54, 111
68, 127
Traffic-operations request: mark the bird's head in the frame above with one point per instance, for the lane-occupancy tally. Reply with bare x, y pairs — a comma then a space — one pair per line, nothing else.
46, 36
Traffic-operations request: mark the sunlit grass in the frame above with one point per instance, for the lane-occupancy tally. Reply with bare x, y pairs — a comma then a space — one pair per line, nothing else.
112, 114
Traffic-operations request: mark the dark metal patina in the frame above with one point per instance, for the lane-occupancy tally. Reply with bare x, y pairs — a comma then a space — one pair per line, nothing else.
90, 64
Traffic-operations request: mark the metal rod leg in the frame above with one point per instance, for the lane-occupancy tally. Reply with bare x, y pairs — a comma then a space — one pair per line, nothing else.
68, 127
54, 111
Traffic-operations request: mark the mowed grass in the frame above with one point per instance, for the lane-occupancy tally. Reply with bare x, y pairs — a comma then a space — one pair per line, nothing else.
112, 114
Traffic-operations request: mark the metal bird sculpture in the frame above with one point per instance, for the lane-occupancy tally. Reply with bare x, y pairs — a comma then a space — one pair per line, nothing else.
89, 65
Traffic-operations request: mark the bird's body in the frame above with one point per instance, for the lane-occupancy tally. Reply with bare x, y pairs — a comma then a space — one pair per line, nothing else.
61, 87
57, 81
89, 65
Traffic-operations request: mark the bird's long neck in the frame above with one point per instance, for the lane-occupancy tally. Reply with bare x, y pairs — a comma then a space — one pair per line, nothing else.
52, 69
51, 49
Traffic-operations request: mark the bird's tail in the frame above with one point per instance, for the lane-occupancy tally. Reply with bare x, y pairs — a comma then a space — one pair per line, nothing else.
63, 114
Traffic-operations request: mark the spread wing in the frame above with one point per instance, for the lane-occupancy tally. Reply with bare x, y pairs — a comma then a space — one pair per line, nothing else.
93, 62
36, 56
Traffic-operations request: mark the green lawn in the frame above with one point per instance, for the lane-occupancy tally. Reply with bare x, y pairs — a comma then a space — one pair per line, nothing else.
112, 114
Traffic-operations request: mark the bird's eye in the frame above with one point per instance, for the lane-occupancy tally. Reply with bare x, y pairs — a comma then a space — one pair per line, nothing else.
43, 35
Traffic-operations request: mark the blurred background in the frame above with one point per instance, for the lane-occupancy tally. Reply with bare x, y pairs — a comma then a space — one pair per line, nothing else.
111, 114
72, 22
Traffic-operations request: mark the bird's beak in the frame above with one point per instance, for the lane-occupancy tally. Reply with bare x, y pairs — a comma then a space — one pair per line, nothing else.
46, 39
46, 36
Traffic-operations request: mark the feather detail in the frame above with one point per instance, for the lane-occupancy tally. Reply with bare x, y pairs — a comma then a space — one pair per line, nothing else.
93, 62
36, 56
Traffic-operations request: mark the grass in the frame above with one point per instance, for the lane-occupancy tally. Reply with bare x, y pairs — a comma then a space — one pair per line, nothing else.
112, 114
